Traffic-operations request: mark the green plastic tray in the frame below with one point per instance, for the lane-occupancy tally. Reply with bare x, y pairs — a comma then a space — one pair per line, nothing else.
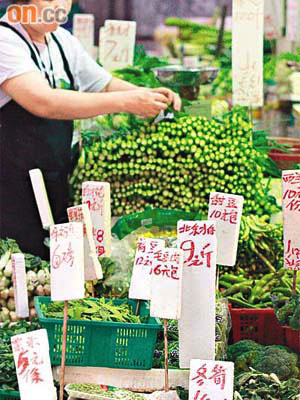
102, 344
9, 395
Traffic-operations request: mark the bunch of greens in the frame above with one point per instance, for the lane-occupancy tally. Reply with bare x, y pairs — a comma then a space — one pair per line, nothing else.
289, 313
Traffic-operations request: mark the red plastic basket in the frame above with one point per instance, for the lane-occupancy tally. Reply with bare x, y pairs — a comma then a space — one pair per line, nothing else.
292, 338
260, 325
285, 160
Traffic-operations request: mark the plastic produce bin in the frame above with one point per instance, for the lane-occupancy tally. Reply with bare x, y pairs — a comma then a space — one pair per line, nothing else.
292, 338
9, 395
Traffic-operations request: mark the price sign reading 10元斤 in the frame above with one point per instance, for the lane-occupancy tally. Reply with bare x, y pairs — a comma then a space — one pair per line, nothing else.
291, 218
140, 285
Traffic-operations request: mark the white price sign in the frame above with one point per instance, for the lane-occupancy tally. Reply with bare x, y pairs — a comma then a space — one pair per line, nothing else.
84, 30
197, 324
226, 210
118, 44
92, 266
140, 285
33, 367
166, 285
20, 285
293, 20
247, 52
97, 196
273, 19
291, 218
211, 380
67, 261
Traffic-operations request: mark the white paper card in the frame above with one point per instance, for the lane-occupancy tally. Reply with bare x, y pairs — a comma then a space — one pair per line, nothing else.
84, 31
119, 42
97, 196
197, 324
101, 45
67, 261
20, 285
293, 20
166, 284
291, 218
247, 52
32, 360
272, 19
140, 284
92, 266
211, 380
226, 210
41, 197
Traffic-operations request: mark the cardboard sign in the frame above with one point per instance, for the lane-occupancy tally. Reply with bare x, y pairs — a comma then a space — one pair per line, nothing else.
273, 19
119, 42
84, 30
20, 285
197, 324
92, 266
67, 261
166, 284
226, 210
291, 218
97, 196
140, 285
247, 52
33, 367
211, 380
41, 197
293, 20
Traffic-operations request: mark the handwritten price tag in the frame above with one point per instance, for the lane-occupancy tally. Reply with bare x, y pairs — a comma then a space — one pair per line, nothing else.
293, 20
291, 218
247, 52
32, 361
226, 210
166, 285
273, 19
97, 196
67, 261
211, 380
84, 30
140, 285
118, 44
198, 241
20, 285
92, 266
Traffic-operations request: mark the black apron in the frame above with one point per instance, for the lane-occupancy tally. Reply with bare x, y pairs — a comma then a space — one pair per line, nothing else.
28, 142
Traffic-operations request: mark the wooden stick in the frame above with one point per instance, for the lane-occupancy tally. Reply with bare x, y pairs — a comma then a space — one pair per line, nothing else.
294, 291
138, 307
63, 352
221, 32
166, 356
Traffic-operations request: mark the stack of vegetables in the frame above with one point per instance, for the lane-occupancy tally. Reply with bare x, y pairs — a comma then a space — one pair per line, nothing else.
288, 314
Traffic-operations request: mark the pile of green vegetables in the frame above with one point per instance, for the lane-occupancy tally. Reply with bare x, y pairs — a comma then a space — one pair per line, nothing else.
8, 377
289, 313
93, 310
107, 392
177, 164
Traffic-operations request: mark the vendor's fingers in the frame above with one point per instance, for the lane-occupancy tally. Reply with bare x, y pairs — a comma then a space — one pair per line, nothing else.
161, 98
160, 106
177, 103
166, 92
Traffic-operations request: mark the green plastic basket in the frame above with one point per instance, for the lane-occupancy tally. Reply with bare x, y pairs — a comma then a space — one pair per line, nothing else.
102, 344
9, 395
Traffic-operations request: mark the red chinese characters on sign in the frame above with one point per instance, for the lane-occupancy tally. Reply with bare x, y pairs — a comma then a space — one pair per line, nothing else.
146, 250
168, 264
118, 36
291, 198
75, 214
63, 256
204, 257
59, 232
292, 256
196, 230
95, 196
227, 210
217, 375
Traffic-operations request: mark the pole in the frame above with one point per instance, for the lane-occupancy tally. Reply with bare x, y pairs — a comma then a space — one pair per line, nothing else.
294, 291
138, 307
221, 32
63, 352
166, 356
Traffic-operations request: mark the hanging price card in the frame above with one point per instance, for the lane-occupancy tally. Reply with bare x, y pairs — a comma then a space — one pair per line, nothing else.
32, 361
198, 241
247, 52
226, 210
97, 196
291, 218
20, 285
92, 266
118, 43
41, 197
166, 285
84, 30
293, 20
67, 261
211, 380
140, 285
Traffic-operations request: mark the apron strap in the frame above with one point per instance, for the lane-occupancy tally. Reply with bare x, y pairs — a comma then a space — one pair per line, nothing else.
65, 61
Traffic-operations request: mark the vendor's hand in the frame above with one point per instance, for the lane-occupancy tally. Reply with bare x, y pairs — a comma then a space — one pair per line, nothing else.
172, 97
145, 102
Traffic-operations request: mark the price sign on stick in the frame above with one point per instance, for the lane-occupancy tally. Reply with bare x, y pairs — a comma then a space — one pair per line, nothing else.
67, 261
119, 42
291, 218
20, 285
247, 52
33, 367
198, 241
41, 197
226, 210
140, 285
97, 196
211, 380
92, 266
84, 30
